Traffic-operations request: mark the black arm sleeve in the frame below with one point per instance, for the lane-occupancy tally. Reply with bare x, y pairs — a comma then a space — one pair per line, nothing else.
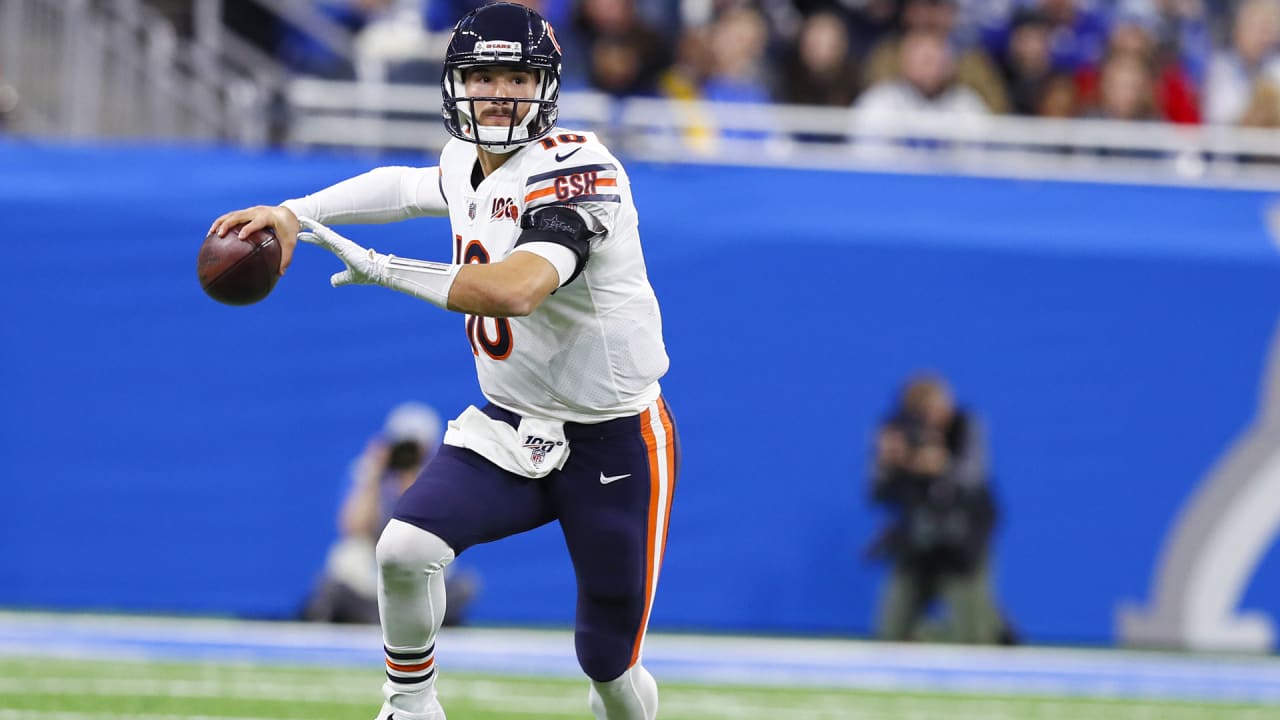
562, 226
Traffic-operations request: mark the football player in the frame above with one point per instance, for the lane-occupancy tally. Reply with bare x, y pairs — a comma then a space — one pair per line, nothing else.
567, 339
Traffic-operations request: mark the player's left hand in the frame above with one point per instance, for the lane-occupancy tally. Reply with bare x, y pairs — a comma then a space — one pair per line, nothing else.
364, 265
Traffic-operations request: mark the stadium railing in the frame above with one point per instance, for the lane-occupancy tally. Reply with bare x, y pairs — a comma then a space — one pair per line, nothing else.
118, 68
407, 117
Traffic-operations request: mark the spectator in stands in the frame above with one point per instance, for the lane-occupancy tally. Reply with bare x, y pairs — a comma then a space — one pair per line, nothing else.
1132, 56
692, 65
1183, 32
1025, 63
870, 21
738, 40
1137, 32
973, 67
931, 473
1059, 99
927, 85
1241, 78
1125, 90
820, 69
625, 55
1077, 37
1264, 107
724, 61
347, 592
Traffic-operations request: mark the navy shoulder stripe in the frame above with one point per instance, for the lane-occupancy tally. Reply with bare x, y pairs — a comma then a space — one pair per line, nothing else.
570, 171
584, 198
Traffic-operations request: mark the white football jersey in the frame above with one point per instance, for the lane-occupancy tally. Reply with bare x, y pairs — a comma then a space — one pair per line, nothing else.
593, 349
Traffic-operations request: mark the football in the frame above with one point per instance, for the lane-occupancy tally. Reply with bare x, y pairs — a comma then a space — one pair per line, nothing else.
239, 272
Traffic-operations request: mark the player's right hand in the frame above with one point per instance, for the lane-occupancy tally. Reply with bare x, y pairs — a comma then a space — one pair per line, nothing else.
278, 218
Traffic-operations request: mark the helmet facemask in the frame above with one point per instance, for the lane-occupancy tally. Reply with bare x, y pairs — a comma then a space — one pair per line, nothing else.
540, 116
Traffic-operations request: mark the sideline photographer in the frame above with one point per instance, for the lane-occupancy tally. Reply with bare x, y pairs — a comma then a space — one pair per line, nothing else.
931, 474
391, 461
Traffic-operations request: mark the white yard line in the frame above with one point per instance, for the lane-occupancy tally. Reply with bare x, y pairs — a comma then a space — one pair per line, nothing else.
260, 647
541, 644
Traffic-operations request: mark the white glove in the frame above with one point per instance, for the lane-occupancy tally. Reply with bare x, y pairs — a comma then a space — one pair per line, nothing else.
365, 266
424, 280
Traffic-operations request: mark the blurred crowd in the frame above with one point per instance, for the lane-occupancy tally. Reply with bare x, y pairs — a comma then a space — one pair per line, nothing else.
1180, 61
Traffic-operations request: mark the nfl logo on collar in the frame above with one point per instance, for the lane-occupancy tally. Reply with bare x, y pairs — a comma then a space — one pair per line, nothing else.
471, 210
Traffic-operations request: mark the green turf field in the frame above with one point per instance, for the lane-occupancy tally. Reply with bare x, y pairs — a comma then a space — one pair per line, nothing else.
43, 689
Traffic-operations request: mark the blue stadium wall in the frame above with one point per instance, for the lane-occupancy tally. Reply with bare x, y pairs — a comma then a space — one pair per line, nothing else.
162, 453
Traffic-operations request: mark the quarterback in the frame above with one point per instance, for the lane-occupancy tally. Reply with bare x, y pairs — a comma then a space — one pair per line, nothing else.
567, 338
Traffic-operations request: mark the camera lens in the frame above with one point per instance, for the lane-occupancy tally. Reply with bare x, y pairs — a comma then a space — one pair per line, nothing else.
404, 455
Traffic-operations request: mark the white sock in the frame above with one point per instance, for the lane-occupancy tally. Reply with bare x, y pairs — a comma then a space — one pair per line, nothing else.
411, 599
633, 695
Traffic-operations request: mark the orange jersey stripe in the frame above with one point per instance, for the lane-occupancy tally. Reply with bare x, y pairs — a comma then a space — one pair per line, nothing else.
602, 182
539, 194
411, 668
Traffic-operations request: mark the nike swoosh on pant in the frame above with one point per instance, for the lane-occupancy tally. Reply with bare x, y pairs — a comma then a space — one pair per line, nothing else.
606, 479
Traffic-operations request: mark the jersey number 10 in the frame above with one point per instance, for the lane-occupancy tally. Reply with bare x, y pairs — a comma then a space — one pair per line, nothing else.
497, 345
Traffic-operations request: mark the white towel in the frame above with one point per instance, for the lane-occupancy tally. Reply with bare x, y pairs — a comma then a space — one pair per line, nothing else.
533, 450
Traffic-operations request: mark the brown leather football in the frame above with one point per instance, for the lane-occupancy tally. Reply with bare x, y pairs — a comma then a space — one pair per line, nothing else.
239, 272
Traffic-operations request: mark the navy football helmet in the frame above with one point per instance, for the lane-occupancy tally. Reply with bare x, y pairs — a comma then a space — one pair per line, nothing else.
504, 34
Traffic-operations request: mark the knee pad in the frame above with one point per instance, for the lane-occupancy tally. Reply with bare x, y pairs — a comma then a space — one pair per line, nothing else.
405, 551
633, 695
